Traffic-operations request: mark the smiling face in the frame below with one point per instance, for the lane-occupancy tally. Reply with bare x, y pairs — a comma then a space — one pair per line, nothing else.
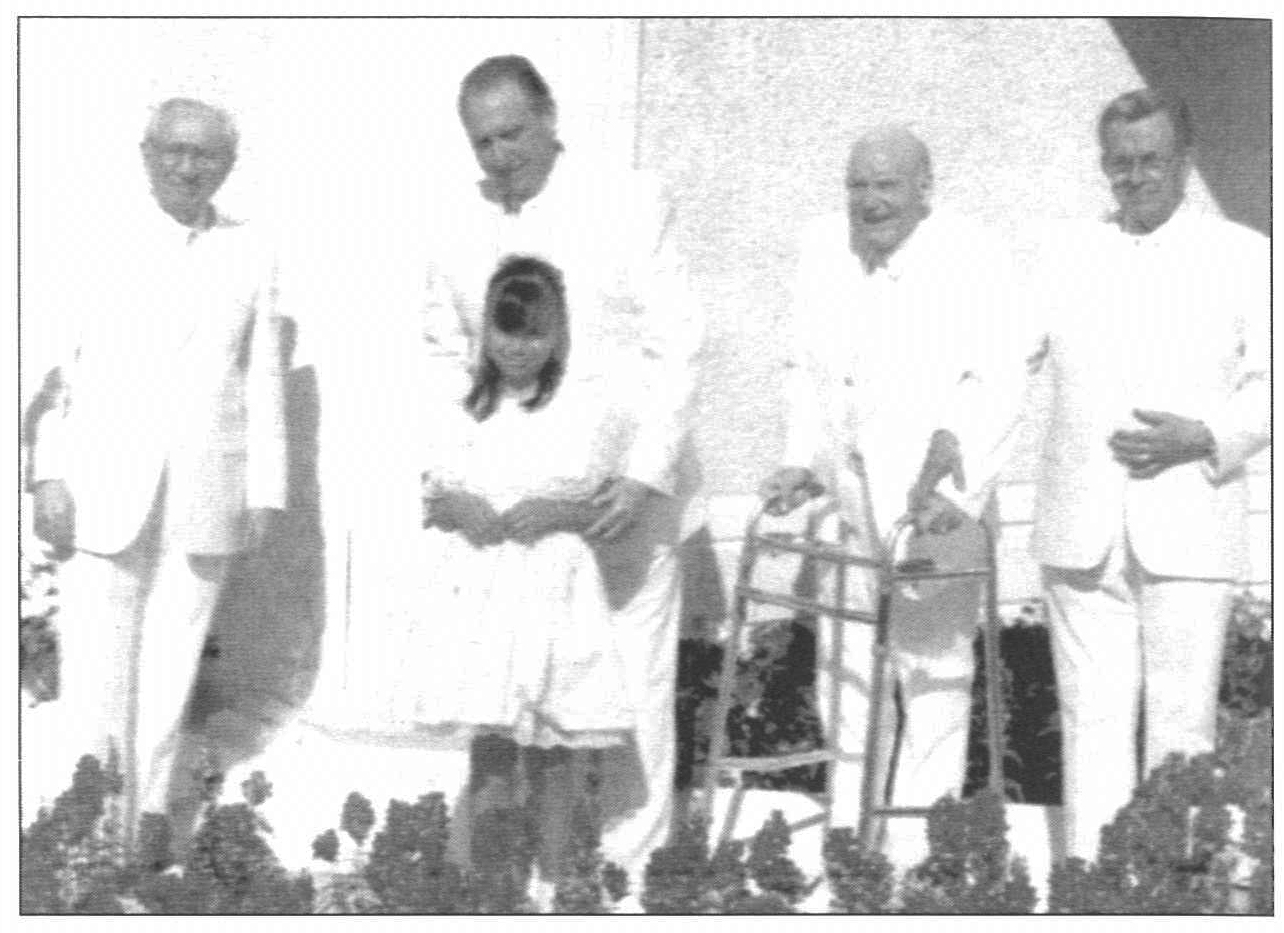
515, 144
525, 331
188, 154
1147, 170
888, 187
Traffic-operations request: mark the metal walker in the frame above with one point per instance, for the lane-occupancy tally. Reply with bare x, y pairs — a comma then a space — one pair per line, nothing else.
890, 574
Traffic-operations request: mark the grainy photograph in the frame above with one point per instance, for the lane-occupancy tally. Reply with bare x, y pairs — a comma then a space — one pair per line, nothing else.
644, 465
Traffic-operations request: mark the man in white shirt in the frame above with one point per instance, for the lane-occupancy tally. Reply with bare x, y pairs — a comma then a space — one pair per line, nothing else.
164, 456
902, 336
1157, 362
607, 231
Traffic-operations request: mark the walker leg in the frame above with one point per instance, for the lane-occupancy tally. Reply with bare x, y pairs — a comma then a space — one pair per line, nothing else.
994, 708
866, 833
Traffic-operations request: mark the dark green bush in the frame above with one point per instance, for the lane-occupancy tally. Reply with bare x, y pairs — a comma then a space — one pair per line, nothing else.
1171, 849
683, 877
969, 868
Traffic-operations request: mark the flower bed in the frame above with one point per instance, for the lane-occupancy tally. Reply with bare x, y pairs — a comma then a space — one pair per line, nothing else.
1195, 838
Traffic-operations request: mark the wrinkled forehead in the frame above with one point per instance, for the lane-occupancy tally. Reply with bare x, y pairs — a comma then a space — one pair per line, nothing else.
1152, 133
883, 159
503, 101
191, 126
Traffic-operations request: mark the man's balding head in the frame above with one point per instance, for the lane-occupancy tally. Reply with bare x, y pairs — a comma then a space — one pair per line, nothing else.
889, 185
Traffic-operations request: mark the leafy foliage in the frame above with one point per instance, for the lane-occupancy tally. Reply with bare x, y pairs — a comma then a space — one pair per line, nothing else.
1172, 848
592, 881
685, 878
772, 707
37, 630
860, 882
408, 870
969, 869
1197, 837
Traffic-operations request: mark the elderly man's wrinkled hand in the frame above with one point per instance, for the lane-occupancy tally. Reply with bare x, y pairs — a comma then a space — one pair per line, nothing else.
787, 489
944, 458
623, 499
1168, 440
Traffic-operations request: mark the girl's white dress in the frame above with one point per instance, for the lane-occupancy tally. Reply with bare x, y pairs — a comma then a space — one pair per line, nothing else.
441, 641
449, 638
524, 643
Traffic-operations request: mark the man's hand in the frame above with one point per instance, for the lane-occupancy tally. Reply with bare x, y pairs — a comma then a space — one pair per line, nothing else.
1168, 440
261, 527
787, 489
944, 458
531, 519
469, 515
54, 514
623, 499
932, 512
935, 514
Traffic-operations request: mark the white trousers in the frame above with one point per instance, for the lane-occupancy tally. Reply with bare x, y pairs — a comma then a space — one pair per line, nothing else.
637, 780
932, 631
131, 627
1118, 631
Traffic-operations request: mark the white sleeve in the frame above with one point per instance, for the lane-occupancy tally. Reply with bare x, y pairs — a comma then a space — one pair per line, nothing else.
990, 412
672, 351
47, 434
1241, 425
265, 430
448, 337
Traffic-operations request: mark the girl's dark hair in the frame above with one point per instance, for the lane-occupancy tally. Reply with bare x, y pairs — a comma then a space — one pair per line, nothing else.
514, 306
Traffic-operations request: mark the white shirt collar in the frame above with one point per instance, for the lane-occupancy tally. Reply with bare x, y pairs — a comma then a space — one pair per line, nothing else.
905, 256
1175, 229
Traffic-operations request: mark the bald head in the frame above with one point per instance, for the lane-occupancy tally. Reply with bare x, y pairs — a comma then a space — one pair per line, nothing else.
889, 185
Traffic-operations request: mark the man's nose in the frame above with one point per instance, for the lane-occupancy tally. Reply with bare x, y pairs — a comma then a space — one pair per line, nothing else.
504, 154
1136, 172
186, 165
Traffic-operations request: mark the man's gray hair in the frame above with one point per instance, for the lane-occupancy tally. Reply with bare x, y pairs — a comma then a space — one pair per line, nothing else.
1145, 102
164, 110
516, 68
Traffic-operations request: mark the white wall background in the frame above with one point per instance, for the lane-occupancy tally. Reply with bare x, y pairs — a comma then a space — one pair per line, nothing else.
349, 128
749, 121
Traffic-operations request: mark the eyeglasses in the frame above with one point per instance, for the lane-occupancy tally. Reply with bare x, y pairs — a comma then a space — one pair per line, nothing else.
1150, 163
204, 160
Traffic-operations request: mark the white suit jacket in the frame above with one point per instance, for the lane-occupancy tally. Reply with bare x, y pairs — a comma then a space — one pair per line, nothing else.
1173, 321
172, 366
626, 287
878, 362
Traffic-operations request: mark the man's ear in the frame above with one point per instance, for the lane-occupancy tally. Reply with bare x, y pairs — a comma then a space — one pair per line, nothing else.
925, 187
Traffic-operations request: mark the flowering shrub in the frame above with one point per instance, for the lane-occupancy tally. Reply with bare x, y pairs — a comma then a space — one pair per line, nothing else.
1197, 837
37, 631
74, 861
1173, 848
969, 869
683, 877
